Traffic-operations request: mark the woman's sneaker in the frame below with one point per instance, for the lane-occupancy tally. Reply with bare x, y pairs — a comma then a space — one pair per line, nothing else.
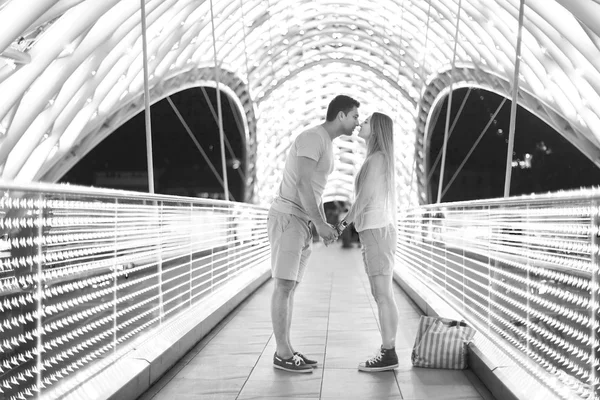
384, 360
292, 364
307, 361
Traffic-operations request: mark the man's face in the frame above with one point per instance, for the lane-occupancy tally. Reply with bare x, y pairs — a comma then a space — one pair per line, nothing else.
365, 129
350, 121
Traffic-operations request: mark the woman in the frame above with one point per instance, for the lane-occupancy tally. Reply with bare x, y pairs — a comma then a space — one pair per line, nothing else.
373, 215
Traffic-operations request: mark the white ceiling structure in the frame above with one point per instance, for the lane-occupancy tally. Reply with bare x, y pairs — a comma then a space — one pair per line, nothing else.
71, 72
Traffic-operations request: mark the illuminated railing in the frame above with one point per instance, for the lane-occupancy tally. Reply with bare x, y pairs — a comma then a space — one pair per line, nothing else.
524, 271
83, 272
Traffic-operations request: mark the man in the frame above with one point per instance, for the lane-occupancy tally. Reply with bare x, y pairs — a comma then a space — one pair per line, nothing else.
297, 206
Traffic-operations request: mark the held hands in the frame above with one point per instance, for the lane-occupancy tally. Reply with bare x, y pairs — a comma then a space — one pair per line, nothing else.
330, 241
339, 228
328, 232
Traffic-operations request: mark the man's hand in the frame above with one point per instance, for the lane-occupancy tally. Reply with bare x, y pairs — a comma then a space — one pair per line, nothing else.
327, 232
328, 242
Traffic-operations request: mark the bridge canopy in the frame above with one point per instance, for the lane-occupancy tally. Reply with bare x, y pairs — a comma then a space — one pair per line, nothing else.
71, 72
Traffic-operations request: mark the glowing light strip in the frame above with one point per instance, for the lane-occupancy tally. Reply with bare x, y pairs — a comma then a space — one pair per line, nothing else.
102, 285
520, 271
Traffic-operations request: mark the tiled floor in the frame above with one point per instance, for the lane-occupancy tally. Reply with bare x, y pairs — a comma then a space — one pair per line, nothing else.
334, 322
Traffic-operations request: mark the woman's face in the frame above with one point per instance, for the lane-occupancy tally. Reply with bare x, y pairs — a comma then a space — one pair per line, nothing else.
365, 129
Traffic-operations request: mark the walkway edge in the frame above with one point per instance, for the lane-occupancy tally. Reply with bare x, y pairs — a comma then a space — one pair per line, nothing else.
134, 374
493, 368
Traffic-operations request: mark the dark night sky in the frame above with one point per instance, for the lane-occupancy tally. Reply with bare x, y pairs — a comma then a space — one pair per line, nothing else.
177, 161
555, 163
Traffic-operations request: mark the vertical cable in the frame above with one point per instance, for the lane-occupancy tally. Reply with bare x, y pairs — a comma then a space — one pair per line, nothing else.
251, 99
401, 37
245, 47
449, 108
426, 52
454, 122
412, 173
191, 255
39, 291
159, 211
219, 111
216, 118
595, 285
270, 52
483, 132
513, 106
198, 146
115, 276
147, 100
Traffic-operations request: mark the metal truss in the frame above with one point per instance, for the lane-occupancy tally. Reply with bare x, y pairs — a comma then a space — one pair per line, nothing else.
71, 71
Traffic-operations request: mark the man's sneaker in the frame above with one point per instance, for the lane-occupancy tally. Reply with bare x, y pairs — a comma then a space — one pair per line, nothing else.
292, 364
307, 361
384, 360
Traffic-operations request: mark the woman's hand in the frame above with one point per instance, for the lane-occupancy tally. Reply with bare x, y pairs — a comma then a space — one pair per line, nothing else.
340, 227
327, 232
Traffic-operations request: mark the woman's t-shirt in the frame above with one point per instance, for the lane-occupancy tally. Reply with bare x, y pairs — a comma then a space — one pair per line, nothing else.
372, 209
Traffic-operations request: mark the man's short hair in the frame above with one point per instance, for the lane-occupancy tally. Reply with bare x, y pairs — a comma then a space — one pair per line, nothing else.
341, 103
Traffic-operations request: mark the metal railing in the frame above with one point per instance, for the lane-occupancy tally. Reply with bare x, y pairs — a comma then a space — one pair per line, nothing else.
84, 271
523, 271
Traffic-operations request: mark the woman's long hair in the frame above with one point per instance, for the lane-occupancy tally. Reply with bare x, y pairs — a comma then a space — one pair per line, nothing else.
381, 140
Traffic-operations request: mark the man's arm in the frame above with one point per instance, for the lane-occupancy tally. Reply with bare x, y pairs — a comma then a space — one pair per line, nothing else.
306, 169
322, 210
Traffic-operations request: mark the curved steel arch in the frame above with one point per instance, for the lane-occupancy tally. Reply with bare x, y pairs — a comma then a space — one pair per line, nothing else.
67, 67
198, 77
467, 76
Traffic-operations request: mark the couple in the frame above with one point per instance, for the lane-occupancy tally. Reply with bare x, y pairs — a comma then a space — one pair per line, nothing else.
298, 205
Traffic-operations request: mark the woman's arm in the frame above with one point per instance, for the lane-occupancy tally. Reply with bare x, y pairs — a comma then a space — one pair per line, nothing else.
374, 178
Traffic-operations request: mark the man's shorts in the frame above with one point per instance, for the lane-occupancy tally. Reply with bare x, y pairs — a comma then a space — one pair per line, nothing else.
378, 249
291, 244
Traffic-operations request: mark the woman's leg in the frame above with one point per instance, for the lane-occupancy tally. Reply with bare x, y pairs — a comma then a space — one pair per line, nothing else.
378, 257
381, 287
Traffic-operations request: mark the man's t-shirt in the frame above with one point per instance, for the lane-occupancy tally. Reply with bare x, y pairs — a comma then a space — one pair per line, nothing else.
315, 144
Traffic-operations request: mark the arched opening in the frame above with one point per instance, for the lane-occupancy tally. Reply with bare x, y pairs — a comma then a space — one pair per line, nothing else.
180, 168
543, 160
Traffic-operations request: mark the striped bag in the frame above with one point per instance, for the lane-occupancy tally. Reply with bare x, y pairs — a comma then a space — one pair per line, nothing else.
441, 343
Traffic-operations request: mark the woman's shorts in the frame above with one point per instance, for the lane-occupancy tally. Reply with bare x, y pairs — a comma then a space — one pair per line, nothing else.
378, 249
291, 244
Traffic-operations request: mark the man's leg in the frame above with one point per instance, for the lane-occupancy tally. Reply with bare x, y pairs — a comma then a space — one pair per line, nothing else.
290, 313
306, 252
281, 315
